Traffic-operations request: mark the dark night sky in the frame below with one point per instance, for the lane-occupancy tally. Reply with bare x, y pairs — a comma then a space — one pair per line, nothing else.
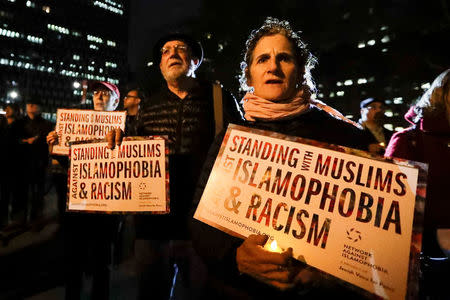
329, 26
148, 20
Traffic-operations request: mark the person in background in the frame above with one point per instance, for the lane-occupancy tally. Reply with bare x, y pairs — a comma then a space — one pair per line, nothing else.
11, 163
34, 131
89, 237
372, 114
276, 73
428, 140
131, 103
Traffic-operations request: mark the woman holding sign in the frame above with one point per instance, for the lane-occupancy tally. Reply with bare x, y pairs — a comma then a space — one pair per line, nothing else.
276, 75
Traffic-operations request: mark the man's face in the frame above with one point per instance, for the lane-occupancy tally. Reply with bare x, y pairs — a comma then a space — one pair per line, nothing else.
104, 99
374, 112
176, 60
33, 109
131, 99
9, 112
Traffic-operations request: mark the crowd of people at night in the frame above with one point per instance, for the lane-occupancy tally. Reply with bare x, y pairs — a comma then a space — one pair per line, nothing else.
194, 114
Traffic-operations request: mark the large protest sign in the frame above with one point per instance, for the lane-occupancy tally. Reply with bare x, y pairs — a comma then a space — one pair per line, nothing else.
343, 211
131, 178
79, 125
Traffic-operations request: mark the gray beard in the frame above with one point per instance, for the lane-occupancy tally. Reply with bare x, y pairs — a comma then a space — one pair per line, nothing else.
175, 74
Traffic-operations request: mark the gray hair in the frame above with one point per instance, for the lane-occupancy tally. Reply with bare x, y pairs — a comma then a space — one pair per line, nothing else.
433, 100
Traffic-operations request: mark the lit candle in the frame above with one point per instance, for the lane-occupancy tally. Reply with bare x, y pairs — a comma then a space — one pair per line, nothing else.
272, 246
382, 144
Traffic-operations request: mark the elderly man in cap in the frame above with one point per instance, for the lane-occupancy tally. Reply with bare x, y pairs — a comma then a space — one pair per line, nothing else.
372, 113
190, 112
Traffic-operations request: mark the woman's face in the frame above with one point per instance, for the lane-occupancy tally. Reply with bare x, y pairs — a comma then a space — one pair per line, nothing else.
273, 71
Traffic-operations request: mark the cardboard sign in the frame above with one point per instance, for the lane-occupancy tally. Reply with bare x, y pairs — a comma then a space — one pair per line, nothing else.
133, 177
80, 125
343, 211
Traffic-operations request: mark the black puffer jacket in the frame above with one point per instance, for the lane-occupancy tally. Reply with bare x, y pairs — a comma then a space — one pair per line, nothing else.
190, 127
218, 249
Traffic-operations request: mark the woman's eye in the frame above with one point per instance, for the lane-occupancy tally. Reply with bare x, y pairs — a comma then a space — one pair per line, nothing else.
284, 58
262, 59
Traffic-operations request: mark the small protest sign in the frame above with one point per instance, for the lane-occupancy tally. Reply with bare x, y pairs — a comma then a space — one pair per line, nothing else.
342, 211
131, 178
79, 125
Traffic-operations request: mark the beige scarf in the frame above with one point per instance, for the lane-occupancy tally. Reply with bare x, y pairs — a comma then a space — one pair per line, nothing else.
257, 108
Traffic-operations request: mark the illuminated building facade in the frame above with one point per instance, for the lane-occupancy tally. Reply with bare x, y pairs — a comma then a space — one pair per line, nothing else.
48, 47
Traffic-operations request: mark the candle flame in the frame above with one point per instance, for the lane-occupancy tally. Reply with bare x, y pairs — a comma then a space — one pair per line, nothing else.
274, 246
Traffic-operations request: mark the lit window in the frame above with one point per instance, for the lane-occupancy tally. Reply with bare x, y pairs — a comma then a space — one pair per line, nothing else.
76, 57
371, 42
348, 82
384, 28
94, 39
111, 43
340, 93
320, 95
371, 79
362, 80
425, 86
388, 113
208, 36
361, 45
46, 9
110, 8
94, 47
384, 50
339, 83
387, 101
398, 100
389, 126
149, 64
332, 95
30, 4
385, 39
34, 39
57, 28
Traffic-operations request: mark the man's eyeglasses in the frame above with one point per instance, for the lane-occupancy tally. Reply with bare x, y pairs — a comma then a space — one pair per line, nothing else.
176, 48
380, 107
102, 92
135, 97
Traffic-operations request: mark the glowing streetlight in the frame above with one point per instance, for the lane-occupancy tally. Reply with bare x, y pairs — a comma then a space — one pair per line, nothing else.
13, 94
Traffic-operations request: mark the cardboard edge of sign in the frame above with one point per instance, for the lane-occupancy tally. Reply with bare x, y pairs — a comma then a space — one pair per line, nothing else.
412, 290
101, 212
